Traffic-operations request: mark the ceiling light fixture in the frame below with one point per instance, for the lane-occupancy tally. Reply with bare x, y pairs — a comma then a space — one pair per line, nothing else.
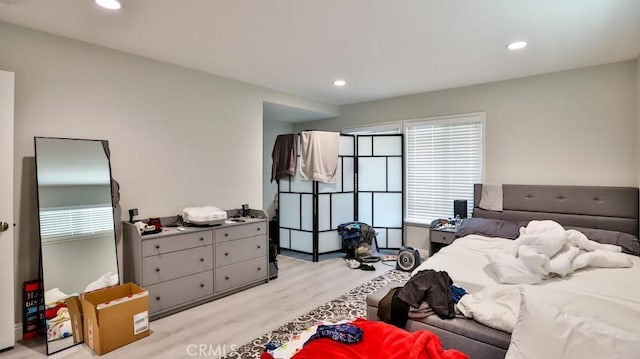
339, 83
109, 4
517, 45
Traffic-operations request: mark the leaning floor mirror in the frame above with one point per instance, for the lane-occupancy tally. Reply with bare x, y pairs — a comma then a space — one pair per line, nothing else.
77, 231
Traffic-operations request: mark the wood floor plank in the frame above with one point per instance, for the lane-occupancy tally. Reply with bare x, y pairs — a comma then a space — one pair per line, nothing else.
215, 328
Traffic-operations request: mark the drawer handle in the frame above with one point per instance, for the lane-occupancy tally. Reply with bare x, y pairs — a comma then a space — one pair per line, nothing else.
157, 269
226, 254
157, 246
259, 246
202, 238
258, 228
259, 269
226, 234
226, 277
201, 259
157, 297
201, 285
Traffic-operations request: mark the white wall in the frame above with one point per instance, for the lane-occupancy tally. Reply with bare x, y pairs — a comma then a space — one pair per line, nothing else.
572, 127
178, 137
271, 129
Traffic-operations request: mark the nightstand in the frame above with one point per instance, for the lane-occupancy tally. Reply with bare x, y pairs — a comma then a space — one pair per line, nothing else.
440, 237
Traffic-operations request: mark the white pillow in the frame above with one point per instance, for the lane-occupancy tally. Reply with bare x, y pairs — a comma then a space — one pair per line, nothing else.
511, 270
491, 197
558, 324
104, 281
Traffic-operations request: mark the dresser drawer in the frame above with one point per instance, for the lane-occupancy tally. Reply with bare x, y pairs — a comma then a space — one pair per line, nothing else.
238, 274
240, 231
178, 291
173, 265
240, 250
442, 237
152, 247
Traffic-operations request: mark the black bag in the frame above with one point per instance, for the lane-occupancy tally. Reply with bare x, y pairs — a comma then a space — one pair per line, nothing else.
273, 262
273, 251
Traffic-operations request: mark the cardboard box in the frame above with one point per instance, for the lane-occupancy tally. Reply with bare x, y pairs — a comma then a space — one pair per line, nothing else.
115, 316
75, 312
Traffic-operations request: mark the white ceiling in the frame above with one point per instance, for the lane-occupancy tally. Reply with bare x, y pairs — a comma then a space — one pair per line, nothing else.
382, 48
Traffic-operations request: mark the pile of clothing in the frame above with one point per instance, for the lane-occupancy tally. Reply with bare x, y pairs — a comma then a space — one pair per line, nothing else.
359, 241
426, 293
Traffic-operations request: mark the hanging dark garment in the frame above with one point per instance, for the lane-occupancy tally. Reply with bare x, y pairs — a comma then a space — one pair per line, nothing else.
284, 157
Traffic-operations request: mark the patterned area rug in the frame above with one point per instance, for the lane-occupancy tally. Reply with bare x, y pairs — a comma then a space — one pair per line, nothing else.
348, 306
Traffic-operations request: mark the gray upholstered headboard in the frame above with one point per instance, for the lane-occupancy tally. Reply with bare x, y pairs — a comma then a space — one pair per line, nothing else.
612, 208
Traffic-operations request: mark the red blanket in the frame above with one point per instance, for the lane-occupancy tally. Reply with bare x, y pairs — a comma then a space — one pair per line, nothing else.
381, 340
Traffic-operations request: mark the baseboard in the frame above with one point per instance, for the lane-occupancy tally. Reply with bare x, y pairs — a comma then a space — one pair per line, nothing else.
18, 332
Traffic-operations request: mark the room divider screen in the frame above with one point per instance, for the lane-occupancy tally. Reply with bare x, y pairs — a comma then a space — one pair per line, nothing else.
368, 189
380, 181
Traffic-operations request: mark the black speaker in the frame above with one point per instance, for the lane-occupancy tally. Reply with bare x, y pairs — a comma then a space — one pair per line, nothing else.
460, 208
408, 259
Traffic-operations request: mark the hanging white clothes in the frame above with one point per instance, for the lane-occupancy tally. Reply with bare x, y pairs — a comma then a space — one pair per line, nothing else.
319, 156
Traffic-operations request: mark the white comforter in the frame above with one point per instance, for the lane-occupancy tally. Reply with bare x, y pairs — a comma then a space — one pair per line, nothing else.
499, 306
545, 249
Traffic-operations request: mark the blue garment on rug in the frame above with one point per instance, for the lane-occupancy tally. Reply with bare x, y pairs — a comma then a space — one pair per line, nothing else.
457, 293
343, 333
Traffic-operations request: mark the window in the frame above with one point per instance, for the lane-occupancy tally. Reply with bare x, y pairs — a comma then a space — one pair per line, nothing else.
63, 224
443, 160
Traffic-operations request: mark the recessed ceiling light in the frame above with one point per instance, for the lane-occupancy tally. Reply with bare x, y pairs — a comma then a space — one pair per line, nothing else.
339, 83
109, 4
517, 45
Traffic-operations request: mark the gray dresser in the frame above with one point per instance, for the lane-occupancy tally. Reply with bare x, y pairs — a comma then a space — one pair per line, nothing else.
181, 269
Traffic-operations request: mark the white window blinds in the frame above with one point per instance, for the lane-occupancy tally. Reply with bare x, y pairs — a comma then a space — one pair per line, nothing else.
70, 223
444, 159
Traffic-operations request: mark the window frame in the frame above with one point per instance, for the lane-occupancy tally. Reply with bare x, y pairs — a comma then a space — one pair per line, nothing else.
435, 120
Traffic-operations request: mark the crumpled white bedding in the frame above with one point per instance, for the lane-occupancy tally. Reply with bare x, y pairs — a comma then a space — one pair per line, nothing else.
559, 324
496, 306
545, 248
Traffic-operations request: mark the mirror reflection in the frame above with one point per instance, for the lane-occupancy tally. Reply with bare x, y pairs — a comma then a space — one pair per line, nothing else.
77, 237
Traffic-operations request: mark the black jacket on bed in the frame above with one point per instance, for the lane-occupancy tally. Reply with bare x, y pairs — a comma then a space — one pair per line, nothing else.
427, 285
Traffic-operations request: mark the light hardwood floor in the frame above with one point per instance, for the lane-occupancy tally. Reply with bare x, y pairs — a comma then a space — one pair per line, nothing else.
234, 320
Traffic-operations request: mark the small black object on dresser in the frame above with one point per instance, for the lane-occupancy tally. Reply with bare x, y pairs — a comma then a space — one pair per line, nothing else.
460, 208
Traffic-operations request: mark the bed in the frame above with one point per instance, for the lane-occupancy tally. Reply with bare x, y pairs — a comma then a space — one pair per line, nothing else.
606, 292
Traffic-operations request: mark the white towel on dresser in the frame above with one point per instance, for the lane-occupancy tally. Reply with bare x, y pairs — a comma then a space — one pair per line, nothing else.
319, 156
491, 197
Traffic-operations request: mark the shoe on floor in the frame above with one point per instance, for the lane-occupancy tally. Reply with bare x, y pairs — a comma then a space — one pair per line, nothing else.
367, 267
352, 263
